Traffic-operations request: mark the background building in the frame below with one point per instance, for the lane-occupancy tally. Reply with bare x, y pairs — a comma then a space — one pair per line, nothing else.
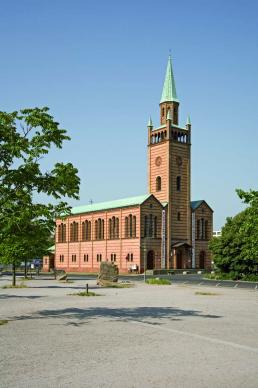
160, 230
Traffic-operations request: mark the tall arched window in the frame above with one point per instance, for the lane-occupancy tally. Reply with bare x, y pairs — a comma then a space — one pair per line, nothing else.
88, 230
117, 228
96, 230
110, 228
155, 226
198, 234
151, 226
74, 228
130, 225
126, 226
102, 234
59, 233
146, 226
134, 227
84, 231
206, 230
178, 183
63, 233
158, 183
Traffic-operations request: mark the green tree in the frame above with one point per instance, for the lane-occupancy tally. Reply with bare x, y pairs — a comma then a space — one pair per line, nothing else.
236, 251
26, 137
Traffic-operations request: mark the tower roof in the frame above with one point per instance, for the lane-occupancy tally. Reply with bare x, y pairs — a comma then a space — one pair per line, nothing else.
150, 122
169, 87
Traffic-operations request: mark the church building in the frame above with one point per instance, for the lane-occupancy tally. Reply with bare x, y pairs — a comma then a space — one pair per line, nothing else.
162, 229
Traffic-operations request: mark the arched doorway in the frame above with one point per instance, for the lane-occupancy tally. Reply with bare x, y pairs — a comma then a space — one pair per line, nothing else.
150, 260
202, 259
179, 259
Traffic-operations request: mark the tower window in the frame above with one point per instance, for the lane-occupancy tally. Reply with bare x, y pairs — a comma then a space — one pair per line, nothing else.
178, 216
163, 112
178, 183
158, 183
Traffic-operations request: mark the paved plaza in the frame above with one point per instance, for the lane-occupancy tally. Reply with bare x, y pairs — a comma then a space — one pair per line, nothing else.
145, 336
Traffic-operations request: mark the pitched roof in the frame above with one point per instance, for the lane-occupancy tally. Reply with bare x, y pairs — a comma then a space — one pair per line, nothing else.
125, 202
196, 204
169, 87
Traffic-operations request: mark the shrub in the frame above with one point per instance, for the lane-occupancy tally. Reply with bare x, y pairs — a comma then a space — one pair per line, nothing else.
158, 281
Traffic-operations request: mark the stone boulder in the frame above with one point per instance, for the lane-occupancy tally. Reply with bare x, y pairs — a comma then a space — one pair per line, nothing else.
108, 273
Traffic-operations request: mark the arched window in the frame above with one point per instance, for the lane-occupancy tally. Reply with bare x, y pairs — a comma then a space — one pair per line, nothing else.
117, 228
88, 230
155, 226
59, 233
84, 237
178, 216
178, 183
110, 228
134, 227
63, 233
198, 234
158, 183
102, 230
145, 226
202, 229
130, 225
96, 230
151, 226
74, 228
126, 227
163, 112
206, 230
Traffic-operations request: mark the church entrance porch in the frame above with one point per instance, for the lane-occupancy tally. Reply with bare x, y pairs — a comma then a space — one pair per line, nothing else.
181, 256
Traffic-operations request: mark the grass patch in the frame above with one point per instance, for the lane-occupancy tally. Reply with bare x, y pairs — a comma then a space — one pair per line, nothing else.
160, 282
84, 293
21, 285
3, 322
206, 293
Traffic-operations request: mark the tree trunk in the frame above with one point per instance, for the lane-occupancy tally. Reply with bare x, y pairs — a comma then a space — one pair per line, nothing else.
14, 275
25, 270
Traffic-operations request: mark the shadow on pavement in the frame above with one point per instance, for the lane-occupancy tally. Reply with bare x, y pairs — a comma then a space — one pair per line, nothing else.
8, 296
142, 314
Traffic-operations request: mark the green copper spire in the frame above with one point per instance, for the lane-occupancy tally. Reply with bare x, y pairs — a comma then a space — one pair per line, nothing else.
188, 121
150, 122
169, 87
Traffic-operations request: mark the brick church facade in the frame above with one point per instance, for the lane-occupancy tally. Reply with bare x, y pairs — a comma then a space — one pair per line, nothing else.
163, 229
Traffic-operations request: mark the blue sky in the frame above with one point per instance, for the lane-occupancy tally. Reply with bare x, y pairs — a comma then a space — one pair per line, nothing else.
100, 67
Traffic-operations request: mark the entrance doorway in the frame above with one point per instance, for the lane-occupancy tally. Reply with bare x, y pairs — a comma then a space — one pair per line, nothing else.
179, 260
202, 259
150, 260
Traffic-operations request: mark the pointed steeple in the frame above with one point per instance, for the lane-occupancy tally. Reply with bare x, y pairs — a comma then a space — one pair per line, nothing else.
150, 122
169, 87
188, 121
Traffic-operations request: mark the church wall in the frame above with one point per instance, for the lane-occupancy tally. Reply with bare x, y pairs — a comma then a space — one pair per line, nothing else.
127, 250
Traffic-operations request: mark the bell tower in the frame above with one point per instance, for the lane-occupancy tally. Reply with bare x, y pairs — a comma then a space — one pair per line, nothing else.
169, 172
